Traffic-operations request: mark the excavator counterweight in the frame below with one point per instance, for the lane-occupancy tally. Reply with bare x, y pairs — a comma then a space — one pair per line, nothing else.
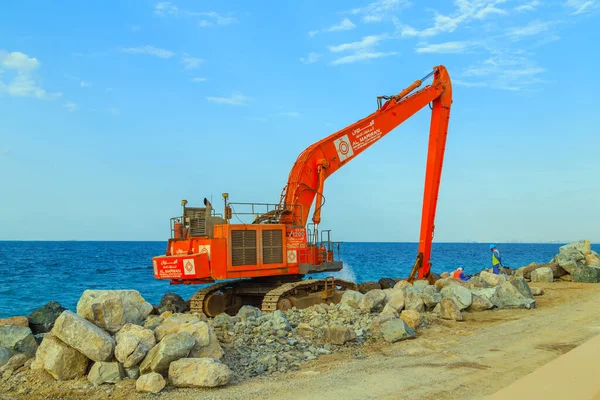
269, 257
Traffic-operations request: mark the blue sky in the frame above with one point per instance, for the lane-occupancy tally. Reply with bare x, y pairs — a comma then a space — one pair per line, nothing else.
112, 112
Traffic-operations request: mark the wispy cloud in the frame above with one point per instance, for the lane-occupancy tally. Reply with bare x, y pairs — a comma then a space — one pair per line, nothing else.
530, 6
210, 18
361, 56
581, 6
311, 58
150, 50
344, 25
70, 106
466, 11
236, 99
364, 43
191, 62
532, 29
445, 48
379, 10
197, 80
23, 83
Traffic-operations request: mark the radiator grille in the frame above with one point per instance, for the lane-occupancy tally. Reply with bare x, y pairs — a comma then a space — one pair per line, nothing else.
272, 246
243, 247
197, 218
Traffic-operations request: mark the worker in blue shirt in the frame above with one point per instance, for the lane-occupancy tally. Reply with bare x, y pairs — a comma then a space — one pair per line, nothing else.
496, 260
459, 274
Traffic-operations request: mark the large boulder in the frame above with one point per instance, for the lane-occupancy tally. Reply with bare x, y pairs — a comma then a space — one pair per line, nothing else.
339, 335
431, 297
396, 300
395, 330
480, 303
41, 320
13, 364
387, 283
588, 274
198, 373
449, 309
106, 372
133, 343
487, 293
508, 296
592, 259
460, 294
491, 279
206, 341
173, 324
171, 348
522, 287
18, 339
5, 355
84, 336
15, 321
112, 309
174, 303
372, 301
582, 246
412, 318
351, 298
247, 311
402, 285
150, 383
59, 360
414, 301
542, 275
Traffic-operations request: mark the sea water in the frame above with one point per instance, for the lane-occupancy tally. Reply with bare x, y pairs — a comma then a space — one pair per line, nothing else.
34, 273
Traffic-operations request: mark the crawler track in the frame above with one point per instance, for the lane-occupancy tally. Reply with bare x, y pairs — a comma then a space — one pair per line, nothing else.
197, 300
273, 297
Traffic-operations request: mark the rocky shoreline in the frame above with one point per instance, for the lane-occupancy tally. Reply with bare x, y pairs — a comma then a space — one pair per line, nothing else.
116, 336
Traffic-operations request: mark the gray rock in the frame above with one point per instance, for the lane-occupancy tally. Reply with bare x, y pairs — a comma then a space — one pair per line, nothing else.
421, 283
5, 355
388, 309
339, 334
198, 373
387, 283
537, 291
402, 285
582, 246
414, 301
351, 298
395, 330
508, 296
246, 312
460, 294
132, 372
431, 297
372, 301
133, 343
592, 259
412, 318
569, 258
84, 336
59, 360
42, 319
14, 363
106, 372
450, 310
112, 309
587, 274
174, 324
491, 279
542, 275
487, 293
150, 383
207, 343
172, 347
368, 286
174, 303
522, 287
152, 322
480, 303
396, 300
18, 339
380, 320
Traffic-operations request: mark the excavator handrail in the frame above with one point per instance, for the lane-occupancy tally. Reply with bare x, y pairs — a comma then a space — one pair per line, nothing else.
318, 161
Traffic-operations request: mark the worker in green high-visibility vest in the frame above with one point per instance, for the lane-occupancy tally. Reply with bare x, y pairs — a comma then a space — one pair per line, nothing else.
496, 259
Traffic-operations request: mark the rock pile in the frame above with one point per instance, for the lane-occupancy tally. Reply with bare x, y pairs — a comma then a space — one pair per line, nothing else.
575, 262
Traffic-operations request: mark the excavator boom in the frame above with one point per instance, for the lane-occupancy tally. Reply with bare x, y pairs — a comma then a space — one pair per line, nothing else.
320, 160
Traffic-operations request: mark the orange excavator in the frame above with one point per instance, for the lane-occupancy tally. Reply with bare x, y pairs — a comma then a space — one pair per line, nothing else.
264, 262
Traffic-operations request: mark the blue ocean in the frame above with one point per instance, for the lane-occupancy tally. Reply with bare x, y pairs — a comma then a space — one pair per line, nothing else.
34, 273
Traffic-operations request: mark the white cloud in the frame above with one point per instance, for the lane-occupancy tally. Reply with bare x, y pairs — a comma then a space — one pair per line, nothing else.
505, 70
219, 19
459, 82
364, 43
150, 50
199, 80
69, 105
344, 25
467, 10
530, 6
531, 29
235, 99
23, 83
191, 62
205, 24
445, 48
378, 10
361, 56
312, 58
581, 6
166, 8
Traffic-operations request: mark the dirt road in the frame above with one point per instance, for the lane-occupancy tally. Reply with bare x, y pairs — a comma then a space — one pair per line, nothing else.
448, 360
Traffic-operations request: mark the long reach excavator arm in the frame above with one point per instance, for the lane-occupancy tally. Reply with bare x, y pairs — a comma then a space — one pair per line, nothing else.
315, 164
